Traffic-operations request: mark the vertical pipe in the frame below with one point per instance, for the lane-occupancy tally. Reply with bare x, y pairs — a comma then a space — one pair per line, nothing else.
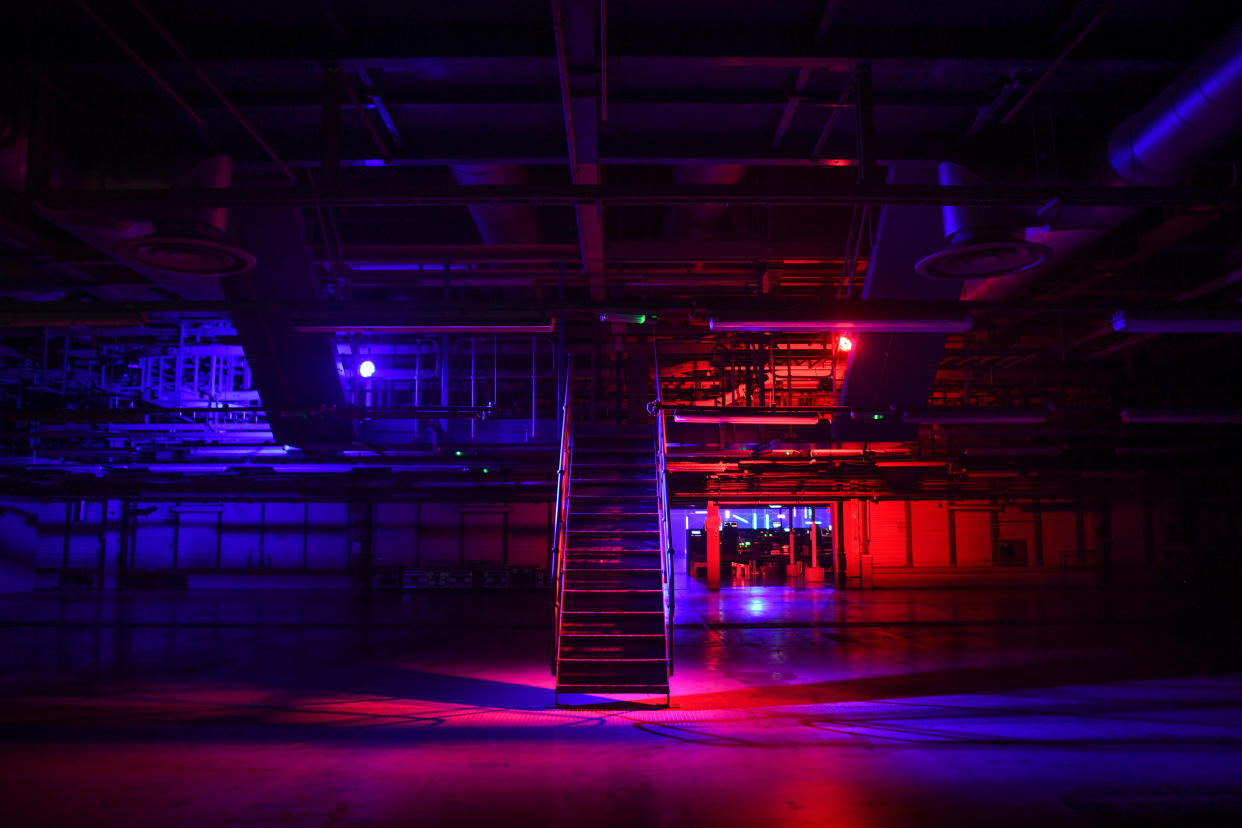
994, 528
952, 536
64, 370
176, 545
838, 534
1038, 516
909, 537
180, 359
330, 168
772, 365
789, 373
474, 350
64, 557
864, 113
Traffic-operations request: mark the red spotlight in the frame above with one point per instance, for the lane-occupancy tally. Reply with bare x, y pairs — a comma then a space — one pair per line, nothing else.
845, 344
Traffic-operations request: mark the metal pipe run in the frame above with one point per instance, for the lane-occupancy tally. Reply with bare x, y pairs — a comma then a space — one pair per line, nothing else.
383, 193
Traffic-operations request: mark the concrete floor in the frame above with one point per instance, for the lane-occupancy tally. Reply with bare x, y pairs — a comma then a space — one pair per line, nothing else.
793, 707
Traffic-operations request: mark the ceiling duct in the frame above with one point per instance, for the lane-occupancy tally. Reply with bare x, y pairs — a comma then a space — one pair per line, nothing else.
897, 368
499, 223
182, 249
698, 221
1157, 146
188, 242
980, 242
295, 372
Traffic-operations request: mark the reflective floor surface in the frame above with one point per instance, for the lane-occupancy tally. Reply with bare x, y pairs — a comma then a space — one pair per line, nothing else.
791, 707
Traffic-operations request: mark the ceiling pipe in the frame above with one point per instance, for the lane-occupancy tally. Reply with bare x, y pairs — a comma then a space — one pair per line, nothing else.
697, 221
1157, 146
499, 223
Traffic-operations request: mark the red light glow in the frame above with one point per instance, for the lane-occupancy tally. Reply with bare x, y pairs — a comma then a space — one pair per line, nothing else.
844, 343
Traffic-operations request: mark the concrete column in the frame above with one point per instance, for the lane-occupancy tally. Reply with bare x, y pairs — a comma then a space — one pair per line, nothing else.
791, 566
711, 529
814, 572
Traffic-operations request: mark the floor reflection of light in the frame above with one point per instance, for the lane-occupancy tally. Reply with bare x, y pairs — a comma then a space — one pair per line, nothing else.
756, 606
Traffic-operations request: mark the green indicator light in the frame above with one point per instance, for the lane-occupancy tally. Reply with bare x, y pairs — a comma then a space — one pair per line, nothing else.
485, 471
877, 416
457, 453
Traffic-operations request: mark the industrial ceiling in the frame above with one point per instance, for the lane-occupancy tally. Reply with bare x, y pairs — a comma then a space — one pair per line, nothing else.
213, 214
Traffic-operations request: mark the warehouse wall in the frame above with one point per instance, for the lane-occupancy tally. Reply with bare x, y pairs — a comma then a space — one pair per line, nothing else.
938, 543
271, 544
18, 534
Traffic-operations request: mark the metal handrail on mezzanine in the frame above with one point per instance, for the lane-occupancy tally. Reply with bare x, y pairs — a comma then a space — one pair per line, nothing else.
662, 503
561, 516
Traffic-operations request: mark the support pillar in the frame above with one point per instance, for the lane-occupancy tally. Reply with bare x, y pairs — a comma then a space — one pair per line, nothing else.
791, 566
711, 529
814, 572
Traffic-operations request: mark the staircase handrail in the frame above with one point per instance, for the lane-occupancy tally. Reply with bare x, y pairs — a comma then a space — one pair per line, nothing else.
561, 515
662, 504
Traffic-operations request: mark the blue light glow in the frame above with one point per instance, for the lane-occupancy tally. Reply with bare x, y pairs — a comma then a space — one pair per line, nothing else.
366, 369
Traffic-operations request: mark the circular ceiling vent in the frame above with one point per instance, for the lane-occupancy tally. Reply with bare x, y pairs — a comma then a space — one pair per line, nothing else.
186, 256
982, 259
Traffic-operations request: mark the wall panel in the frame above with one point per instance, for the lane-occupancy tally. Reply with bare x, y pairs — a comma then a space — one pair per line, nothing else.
327, 544
529, 535
396, 534
930, 525
1059, 536
973, 533
483, 536
439, 530
888, 533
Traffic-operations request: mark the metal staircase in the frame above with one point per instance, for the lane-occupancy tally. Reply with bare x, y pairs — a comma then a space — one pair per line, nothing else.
613, 587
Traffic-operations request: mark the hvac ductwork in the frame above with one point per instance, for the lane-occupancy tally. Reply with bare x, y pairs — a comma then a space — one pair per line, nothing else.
697, 221
180, 249
499, 223
1157, 146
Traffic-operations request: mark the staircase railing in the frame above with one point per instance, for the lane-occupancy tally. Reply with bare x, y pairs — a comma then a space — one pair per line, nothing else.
665, 521
561, 516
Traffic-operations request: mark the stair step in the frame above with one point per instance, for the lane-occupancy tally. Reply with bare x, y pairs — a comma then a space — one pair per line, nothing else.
636, 689
609, 472
618, 561
614, 428
614, 531
590, 545
611, 504
606, 451
612, 443
594, 623
652, 672
613, 579
618, 601
608, 523
616, 489
646, 466
617, 647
